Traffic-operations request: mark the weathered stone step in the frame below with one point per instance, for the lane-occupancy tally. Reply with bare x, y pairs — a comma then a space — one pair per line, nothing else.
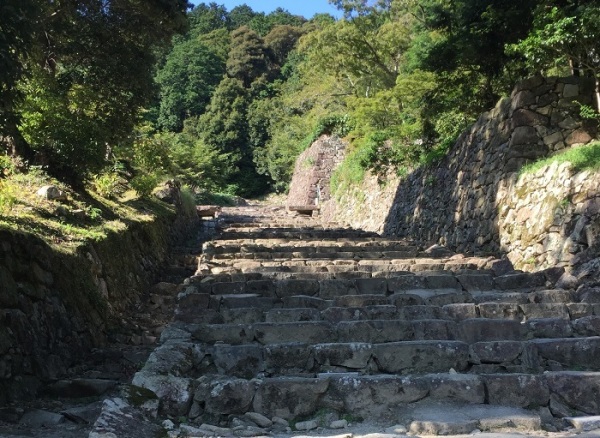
399, 357
375, 254
475, 288
547, 320
273, 269
418, 323
290, 233
316, 248
350, 393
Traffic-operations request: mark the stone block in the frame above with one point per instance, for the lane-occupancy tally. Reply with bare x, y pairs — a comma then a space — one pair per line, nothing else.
482, 330
406, 282
288, 288
476, 282
549, 328
520, 390
225, 395
587, 326
578, 390
421, 312
441, 281
176, 358
525, 117
361, 300
279, 358
241, 316
582, 353
237, 287
500, 352
500, 311
305, 302
265, 288
521, 280
372, 395
541, 310
406, 299
462, 388
421, 356
371, 286
292, 315
289, 398
175, 393
330, 289
244, 361
523, 135
234, 334
354, 355
308, 331
377, 331
461, 311
432, 329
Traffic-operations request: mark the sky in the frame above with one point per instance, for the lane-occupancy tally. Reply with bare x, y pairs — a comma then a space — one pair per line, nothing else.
306, 8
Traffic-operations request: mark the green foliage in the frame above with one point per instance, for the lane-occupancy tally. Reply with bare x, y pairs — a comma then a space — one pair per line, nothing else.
188, 199
190, 75
88, 75
108, 184
145, 183
8, 196
7, 166
248, 59
211, 198
563, 34
587, 112
581, 158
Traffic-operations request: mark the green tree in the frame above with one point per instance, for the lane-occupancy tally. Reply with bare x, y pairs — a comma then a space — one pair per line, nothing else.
248, 58
241, 16
263, 24
17, 25
281, 41
567, 35
92, 68
187, 80
205, 18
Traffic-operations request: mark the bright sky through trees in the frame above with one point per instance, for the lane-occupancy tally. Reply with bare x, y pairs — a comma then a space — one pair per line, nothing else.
306, 8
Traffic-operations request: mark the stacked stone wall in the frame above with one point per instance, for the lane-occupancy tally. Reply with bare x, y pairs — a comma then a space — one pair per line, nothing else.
55, 306
465, 201
310, 182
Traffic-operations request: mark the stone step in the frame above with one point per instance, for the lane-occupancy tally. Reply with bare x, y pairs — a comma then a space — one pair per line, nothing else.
408, 357
292, 398
549, 320
273, 269
491, 289
290, 233
416, 323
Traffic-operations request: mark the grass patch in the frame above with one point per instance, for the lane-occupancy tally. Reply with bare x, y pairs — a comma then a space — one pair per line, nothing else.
581, 158
80, 217
222, 199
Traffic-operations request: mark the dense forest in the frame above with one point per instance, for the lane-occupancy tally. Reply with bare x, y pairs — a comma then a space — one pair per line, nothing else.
224, 101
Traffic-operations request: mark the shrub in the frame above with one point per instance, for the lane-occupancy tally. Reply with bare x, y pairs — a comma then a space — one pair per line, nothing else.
143, 184
107, 184
8, 196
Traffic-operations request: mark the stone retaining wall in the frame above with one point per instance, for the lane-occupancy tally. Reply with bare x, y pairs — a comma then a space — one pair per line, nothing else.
464, 202
310, 182
550, 217
55, 306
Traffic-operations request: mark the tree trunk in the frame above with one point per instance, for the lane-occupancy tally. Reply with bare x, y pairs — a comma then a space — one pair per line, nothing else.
597, 93
16, 145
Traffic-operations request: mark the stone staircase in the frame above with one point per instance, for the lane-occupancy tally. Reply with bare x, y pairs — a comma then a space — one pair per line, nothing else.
289, 324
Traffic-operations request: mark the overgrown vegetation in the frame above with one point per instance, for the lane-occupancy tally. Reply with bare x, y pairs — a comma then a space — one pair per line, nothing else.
585, 157
81, 216
124, 94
